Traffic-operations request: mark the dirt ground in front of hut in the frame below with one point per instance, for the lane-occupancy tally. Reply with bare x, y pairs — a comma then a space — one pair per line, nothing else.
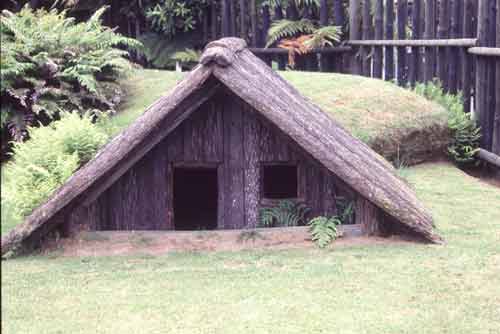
110, 243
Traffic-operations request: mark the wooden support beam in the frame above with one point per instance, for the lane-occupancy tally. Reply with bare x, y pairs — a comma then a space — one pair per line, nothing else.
281, 51
458, 42
484, 51
489, 157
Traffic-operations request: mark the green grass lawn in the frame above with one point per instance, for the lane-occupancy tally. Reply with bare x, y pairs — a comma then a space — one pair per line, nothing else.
412, 288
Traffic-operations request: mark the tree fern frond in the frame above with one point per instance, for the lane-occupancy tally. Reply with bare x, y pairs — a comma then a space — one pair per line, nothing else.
287, 28
324, 36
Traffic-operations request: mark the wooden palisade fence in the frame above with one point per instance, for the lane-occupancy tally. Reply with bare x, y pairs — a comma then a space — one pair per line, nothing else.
406, 41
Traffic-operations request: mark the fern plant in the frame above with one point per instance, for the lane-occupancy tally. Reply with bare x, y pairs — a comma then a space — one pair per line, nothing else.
51, 63
323, 230
286, 213
48, 159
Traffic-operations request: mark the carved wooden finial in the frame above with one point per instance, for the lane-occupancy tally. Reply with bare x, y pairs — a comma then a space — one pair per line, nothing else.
222, 51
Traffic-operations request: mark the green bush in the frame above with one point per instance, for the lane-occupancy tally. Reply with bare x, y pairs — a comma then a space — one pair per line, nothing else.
465, 133
51, 63
43, 163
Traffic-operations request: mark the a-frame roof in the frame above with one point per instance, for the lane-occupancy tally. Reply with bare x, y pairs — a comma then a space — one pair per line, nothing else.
228, 62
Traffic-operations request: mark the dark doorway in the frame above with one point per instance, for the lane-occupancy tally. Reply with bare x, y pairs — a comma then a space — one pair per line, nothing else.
195, 198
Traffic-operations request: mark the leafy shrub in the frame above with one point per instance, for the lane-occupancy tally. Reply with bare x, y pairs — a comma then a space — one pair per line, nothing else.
50, 62
465, 133
324, 230
48, 159
169, 17
286, 213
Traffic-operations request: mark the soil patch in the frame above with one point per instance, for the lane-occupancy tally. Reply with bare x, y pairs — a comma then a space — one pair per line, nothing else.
110, 243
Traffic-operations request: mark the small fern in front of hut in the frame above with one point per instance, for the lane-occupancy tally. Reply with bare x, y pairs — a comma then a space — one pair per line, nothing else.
324, 230
286, 213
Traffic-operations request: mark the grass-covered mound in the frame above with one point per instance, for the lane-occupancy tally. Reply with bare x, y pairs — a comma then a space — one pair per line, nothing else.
396, 122
390, 288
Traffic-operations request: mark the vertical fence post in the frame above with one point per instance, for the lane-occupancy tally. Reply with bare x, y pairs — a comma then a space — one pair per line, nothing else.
413, 63
213, 18
232, 21
389, 34
243, 19
266, 22
496, 123
254, 22
325, 61
311, 60
339, 20
430, 33
466, 59
355, 33
278, 15
453, 54
226, 17
402, 20
443, 33
367, 34
483, 114
379, 34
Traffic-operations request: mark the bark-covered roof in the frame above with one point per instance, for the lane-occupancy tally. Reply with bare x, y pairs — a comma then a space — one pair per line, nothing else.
228, 62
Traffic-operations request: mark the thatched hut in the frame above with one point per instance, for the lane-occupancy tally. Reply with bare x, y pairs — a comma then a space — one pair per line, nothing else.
230, 138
